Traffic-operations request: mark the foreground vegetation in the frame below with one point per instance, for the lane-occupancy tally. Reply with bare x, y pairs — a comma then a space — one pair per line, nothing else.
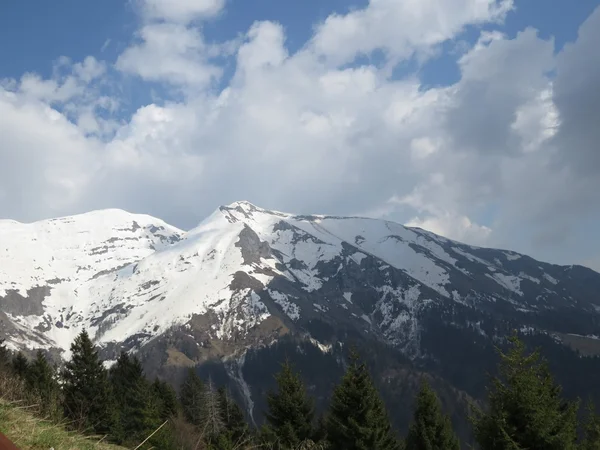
120, 406
29, 432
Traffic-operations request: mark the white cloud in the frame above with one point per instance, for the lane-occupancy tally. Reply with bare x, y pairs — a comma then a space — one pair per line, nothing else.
297, 131
458, 228
401, 28
46, 161
89, 69
182, 11
171, 53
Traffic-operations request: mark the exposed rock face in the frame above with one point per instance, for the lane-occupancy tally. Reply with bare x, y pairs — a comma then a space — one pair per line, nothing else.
229, 294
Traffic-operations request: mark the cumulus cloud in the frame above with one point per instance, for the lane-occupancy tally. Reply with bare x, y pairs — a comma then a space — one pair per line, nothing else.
171, 53
489, 160
499, 77
401, 28
577, 98
46, 161
180, 11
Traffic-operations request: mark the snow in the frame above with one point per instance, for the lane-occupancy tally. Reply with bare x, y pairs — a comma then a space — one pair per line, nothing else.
320, 307
530, 278
358, 257
291, 309
512, 256
510, 282
469, 256
550, 278
324, 348
119, 274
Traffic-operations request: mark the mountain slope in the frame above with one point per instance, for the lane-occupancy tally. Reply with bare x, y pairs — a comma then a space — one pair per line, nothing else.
122, 275
44, 265
249, 286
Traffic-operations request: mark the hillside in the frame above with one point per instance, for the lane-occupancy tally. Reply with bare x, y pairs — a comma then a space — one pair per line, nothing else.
28, 432
248, 286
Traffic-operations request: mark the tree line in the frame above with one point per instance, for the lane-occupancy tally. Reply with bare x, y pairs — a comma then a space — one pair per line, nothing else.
525, 408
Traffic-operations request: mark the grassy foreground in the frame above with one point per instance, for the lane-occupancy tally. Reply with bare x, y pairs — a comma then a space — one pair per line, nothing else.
32, 433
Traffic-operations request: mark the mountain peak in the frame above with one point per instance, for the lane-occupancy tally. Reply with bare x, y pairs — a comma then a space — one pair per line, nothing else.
242, 204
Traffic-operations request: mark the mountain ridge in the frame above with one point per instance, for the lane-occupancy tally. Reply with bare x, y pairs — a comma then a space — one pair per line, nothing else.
248, 286
144, 253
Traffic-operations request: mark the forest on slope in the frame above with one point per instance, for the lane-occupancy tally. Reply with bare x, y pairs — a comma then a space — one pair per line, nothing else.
525, 408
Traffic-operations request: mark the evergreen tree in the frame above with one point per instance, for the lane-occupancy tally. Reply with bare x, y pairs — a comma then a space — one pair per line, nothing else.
430, 430
137, 407
20, 365
526, 410
291, 411
88, 401
191, 396
167, 399
591, 440
41, 380
357, 418
233, 416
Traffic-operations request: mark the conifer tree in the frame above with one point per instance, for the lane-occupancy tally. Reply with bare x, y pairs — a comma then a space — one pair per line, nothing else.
167, 399
191, 396
137, 408
233, 416
88, 400
430, 429
526, 410
291, 411
20, 365
41, 380
591, 439
357, 418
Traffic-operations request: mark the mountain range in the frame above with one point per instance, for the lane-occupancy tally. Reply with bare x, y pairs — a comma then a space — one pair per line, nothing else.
248, 287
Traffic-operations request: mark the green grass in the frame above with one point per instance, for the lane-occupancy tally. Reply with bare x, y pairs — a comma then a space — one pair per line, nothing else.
29, 432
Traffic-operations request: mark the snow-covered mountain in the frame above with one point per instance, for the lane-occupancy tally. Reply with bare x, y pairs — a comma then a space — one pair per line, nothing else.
247, 275
248, 287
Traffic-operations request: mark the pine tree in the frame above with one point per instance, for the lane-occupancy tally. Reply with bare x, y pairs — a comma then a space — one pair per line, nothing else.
357, 418
526, 410
291, 411
167, 399
20, 365
430, 430
591, 440
88, 400
191, 396
41, 381
137, 407
233, 416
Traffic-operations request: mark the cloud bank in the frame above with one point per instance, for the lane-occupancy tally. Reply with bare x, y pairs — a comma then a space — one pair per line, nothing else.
507, 156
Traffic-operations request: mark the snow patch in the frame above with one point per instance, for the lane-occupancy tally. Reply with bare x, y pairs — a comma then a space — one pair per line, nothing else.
290, 308
358, 257
325, 348
510, 282
512, 256
550, 278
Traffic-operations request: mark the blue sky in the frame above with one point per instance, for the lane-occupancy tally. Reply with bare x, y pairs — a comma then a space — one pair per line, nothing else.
41, 32
472, 118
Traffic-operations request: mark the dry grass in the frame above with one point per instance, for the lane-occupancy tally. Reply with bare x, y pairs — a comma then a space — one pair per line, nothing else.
29, 432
